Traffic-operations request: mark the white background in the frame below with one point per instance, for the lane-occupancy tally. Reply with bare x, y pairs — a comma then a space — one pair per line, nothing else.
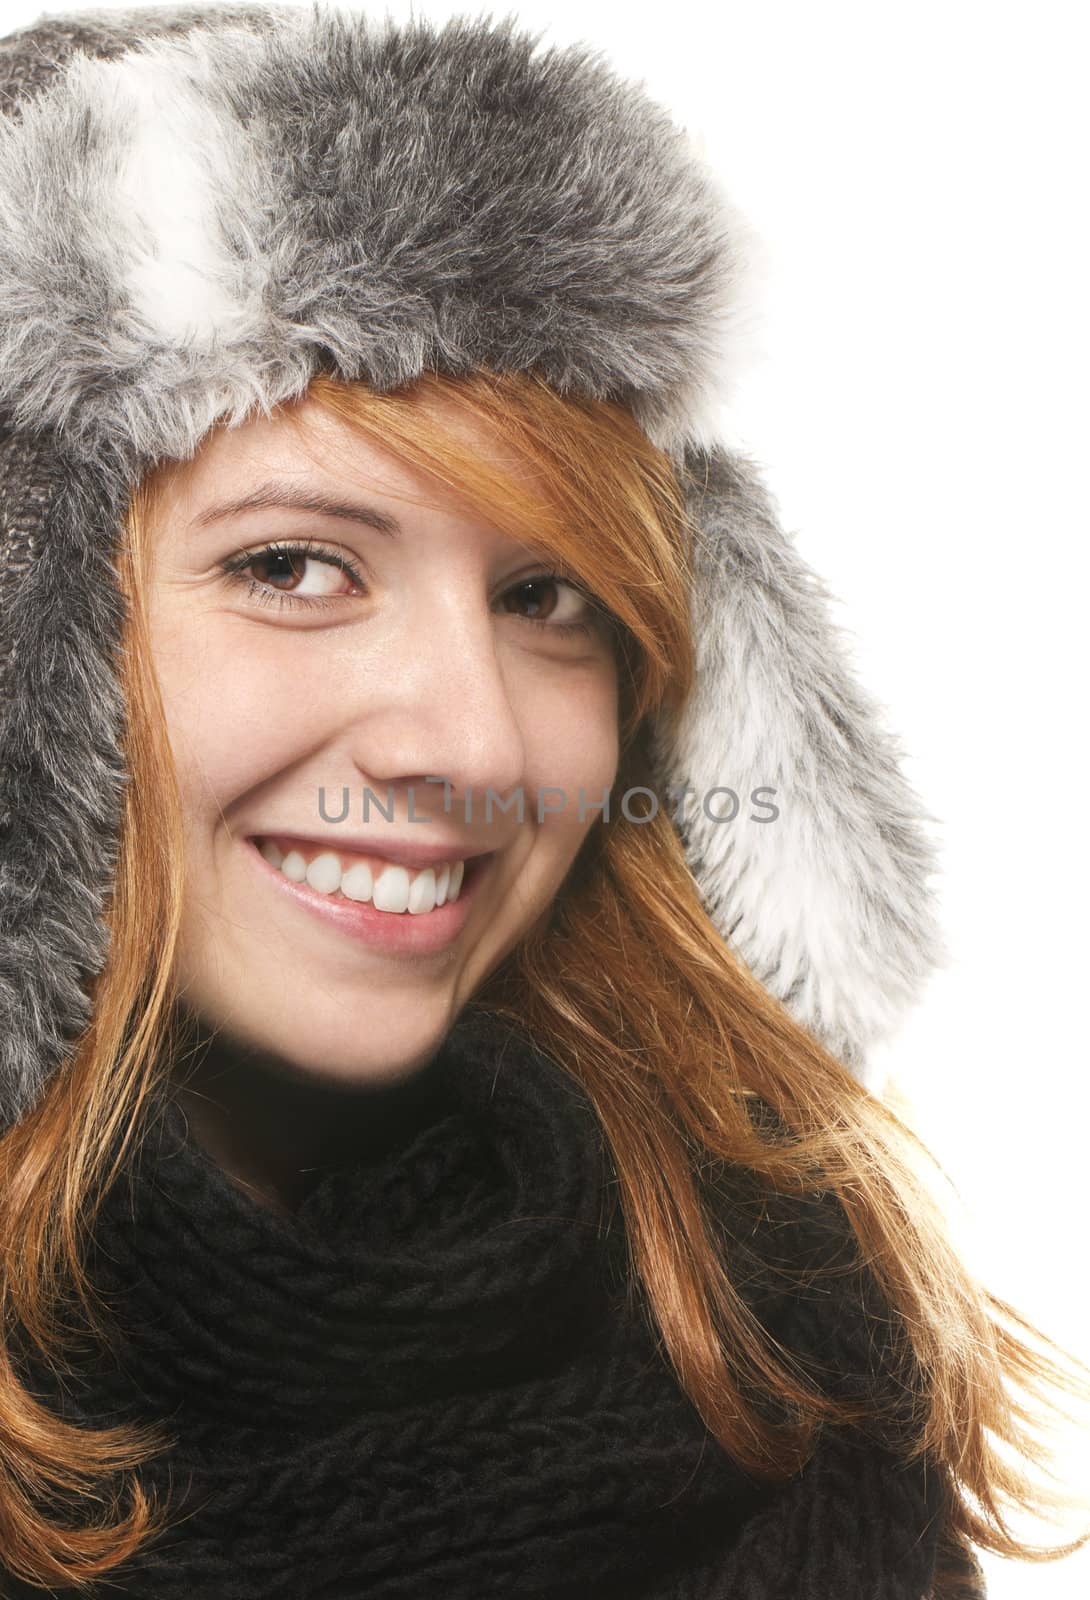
915, 389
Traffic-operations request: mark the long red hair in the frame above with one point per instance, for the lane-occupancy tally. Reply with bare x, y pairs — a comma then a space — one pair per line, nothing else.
627, 984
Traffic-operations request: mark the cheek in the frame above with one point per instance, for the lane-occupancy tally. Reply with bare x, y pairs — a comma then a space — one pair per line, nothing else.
572, 752
233, 715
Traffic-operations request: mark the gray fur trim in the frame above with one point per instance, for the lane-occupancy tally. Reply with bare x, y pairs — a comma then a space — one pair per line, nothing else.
827, 902
239, 207
31, 56
62, 772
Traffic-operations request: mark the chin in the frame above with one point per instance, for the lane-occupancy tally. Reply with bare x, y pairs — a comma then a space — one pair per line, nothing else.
371, 1041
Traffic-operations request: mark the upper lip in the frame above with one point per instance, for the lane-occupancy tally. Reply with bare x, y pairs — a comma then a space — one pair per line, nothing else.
405, 853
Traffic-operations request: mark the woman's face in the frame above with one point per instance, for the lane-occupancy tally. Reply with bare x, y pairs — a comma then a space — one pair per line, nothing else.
395, 651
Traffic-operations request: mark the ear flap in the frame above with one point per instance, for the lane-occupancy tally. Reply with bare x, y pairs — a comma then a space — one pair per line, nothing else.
62, 774
820, 880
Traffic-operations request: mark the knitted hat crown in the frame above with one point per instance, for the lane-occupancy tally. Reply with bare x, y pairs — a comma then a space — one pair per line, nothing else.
203, 206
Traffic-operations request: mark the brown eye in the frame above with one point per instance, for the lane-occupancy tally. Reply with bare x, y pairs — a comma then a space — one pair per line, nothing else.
294, 575
537, 593
279, 568
287, 571
553, 602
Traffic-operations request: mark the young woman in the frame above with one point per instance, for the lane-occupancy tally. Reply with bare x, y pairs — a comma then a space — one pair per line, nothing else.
449, 877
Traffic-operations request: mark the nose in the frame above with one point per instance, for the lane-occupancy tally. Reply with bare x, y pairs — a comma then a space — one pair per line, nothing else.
434, 702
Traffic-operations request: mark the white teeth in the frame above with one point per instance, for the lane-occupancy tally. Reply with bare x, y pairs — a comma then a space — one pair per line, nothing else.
395, 889
357, 883
324, 873
422, 891
392, 889
294, 867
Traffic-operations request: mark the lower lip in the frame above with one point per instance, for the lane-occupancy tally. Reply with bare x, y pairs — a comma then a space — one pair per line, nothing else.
413, 933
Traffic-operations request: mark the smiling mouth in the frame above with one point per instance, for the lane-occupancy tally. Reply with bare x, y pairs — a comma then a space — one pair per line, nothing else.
385, 885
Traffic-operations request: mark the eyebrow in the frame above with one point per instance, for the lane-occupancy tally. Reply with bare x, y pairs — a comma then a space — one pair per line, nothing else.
274, 493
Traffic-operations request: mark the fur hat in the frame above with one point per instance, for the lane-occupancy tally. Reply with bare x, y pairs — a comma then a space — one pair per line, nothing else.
202, 206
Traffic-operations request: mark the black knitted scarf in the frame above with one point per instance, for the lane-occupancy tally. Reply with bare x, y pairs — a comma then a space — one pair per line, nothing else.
425, 1380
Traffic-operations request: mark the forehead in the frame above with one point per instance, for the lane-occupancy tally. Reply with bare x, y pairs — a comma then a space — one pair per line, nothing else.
314, 445
308, 455
308, 444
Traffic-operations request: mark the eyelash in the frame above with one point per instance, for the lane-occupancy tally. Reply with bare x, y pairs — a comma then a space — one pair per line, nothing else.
261, 594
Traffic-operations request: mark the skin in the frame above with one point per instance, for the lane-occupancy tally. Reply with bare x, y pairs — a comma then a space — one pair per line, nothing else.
427, 669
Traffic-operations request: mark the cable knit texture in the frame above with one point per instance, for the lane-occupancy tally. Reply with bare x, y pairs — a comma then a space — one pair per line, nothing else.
424, 1379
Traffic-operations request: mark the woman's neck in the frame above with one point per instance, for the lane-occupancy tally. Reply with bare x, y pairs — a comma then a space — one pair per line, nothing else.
276, 1131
